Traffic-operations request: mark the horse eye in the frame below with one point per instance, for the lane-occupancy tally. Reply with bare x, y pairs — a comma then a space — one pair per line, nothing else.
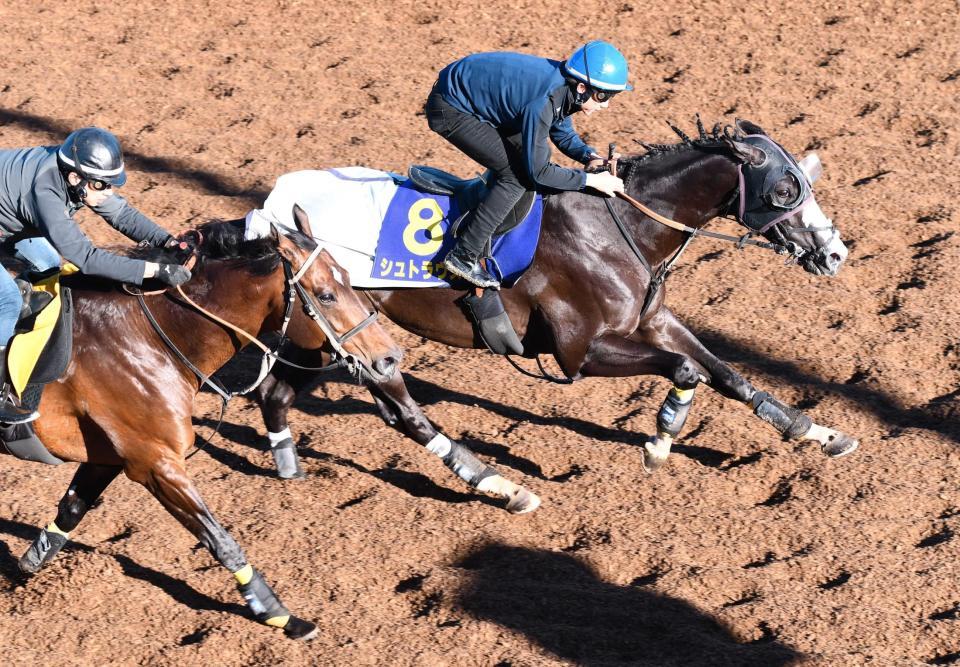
327, 298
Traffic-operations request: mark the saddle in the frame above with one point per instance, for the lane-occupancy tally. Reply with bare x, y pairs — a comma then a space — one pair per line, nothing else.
38, 354
491, 323
468, 193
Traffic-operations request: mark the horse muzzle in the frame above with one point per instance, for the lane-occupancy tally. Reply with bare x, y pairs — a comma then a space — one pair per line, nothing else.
381, 369
823, 262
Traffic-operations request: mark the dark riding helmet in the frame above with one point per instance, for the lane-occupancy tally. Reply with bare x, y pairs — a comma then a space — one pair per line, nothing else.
94, 154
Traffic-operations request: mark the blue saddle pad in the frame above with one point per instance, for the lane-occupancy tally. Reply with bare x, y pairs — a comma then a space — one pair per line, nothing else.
414, 238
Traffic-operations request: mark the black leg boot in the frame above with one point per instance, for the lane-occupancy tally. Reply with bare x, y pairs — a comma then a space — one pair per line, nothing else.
10, 412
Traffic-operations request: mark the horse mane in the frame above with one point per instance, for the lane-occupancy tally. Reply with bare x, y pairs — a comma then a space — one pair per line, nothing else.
222, 240
714, 140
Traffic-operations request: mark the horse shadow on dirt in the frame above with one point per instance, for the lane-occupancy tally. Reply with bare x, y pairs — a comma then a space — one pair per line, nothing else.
560, 603
412, 483
180, 591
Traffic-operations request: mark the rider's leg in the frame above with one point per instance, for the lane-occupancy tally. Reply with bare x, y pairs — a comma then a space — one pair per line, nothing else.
10, 303
88, 484
790, 422
38, 253
487, 146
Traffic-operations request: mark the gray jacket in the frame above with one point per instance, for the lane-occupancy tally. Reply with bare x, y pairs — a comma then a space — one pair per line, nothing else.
34, 202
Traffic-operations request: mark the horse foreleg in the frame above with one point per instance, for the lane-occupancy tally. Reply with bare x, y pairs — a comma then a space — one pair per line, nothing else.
168, 482
393, 399
615, 356
790, 422
87, 485
275, 396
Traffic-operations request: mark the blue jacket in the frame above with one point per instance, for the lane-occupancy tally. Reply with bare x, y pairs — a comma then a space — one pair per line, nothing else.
526, 95
34, 201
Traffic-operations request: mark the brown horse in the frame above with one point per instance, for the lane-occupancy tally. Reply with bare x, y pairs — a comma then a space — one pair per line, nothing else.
126, 400
593, 298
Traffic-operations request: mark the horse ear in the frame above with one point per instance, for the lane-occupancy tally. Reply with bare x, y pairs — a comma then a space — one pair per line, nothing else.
746, 127
745, 152
286, 247
302, 220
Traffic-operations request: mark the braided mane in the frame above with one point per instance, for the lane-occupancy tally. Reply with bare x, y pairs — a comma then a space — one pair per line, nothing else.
706, 141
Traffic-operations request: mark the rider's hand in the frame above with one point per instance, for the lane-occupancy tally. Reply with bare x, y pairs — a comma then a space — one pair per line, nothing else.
598, 162
172, 274
605, 182
172, 243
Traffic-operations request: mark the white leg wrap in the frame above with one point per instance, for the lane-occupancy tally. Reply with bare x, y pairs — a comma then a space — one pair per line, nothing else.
817, 432
277, 438
439, 445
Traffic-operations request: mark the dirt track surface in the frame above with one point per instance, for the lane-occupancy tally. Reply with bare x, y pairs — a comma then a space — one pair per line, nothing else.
743, 550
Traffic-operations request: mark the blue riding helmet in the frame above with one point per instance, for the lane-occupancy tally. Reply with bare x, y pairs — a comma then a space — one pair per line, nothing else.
599, 65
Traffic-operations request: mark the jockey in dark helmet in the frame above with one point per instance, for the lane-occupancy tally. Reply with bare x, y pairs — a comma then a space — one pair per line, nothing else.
500, 109
40, 190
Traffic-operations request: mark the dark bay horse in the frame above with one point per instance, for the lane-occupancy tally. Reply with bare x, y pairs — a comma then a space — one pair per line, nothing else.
126, 399
586, 299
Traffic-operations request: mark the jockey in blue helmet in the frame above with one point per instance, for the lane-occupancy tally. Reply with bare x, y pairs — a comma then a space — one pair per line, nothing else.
501, 109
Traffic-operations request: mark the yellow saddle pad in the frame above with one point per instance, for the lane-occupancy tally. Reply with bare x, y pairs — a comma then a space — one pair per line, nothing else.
25, 348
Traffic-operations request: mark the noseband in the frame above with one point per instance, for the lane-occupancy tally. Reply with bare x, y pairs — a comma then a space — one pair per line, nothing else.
794, 253
337, 342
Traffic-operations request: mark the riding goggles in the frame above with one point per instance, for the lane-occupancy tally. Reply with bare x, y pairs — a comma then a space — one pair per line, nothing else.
99, 186
603, 95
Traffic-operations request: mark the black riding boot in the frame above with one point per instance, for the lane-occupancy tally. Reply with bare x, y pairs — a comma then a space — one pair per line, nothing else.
10, 412
463, 264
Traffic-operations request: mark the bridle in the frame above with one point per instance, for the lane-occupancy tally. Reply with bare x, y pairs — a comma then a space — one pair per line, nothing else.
794, 252
292, 286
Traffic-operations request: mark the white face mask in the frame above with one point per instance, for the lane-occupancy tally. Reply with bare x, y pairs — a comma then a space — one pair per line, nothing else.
812, 167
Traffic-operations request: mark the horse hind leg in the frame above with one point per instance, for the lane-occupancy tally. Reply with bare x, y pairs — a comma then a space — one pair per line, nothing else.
168, 482
88, 483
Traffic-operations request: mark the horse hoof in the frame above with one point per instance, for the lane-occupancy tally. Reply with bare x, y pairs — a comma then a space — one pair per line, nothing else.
840, 445
654, 457
523, 502
297, 628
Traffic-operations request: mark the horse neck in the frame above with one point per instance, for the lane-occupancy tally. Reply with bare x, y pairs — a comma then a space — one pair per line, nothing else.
689, 187
229, 292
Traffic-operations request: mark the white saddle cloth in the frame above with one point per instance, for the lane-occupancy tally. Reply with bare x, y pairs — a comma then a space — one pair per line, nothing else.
346, 207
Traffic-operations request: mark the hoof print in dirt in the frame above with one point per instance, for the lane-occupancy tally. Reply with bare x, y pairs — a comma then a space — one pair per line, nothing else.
837, 581
412, 583
944, 535
952, 614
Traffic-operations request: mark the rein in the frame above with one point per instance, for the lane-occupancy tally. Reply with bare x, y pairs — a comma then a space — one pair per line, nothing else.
659, 276
269, 356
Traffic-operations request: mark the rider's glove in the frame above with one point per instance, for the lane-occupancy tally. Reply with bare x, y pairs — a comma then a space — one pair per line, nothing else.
173, 274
